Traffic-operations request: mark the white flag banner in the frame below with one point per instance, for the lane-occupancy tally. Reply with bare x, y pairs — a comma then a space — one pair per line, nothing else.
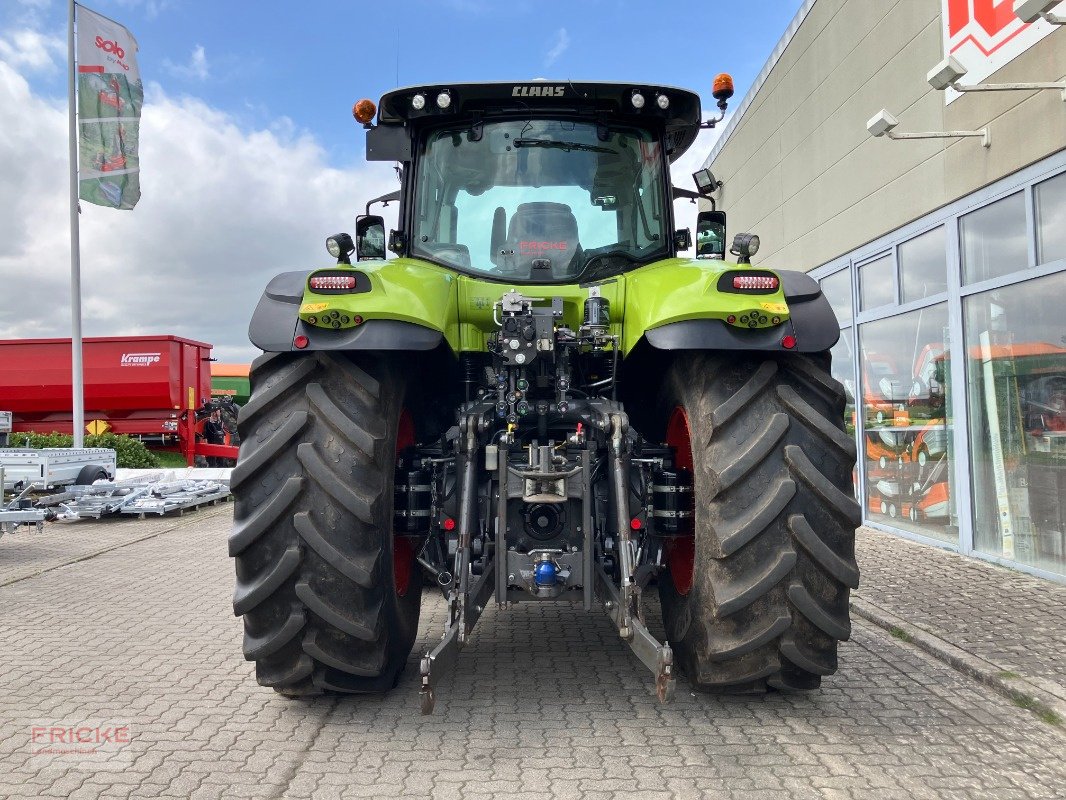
110, 96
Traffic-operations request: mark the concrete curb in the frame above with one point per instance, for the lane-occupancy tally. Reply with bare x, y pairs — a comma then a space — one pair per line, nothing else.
1045, 698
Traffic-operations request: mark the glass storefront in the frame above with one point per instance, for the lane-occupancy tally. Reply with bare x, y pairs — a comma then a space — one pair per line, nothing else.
1051, 219
975, 289
876, 288
923, 266
1016, 377
993, 240
906, 421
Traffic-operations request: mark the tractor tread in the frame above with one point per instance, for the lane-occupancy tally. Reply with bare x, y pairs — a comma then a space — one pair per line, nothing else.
292, 376
257, 647
809, 416
747, 680
312, 520
369, 666
756, 452
819, 378
844, 570
723, 648
365, 383
267, 451
841, 503
360, 569
806, 661
774, 559
247, 530
826, 620
738, 594
740, 400
332, 415
364, 630
285, 675
251, 593
321, 473
757, 519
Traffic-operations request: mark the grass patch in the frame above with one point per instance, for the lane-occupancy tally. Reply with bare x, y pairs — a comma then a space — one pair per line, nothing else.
1024, 701
1044, 714
1009, 675
899, 633
1050, 717
169, 460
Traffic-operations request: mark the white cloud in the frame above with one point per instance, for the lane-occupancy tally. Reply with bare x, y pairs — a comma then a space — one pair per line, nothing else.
32, 51
196, 67
223, 209
560, 46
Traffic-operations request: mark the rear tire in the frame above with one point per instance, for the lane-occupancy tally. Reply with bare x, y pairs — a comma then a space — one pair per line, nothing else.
773, 560
324, 605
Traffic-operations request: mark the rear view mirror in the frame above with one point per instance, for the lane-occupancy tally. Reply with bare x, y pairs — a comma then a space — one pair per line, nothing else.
369, 238
710, 234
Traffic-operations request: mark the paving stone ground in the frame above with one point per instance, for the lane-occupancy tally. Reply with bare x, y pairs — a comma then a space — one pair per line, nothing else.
548, 702
1006, 617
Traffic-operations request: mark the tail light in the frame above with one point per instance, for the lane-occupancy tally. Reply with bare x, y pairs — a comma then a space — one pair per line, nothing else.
749, 282
745, 282
339, 281
333, 282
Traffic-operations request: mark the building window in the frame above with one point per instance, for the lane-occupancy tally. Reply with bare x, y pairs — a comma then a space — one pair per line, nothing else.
923, 266
906, 415
993, 240
843, 370
1016, 378
1051, 219
837, 290
876, 285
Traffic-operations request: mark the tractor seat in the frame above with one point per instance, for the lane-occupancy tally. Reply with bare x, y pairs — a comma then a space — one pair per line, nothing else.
541, 242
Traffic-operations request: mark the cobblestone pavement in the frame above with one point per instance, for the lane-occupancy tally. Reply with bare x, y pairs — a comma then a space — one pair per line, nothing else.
550, 704
1006, 617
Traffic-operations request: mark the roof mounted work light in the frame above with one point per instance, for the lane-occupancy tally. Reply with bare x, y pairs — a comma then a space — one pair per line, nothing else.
706, 183
341, 247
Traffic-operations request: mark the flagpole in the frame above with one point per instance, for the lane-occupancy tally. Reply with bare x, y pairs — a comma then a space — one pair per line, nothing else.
77, 378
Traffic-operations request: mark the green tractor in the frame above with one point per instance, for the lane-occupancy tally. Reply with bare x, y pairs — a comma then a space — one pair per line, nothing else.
537, 398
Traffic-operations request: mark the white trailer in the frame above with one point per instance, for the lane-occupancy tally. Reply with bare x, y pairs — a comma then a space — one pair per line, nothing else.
56, 466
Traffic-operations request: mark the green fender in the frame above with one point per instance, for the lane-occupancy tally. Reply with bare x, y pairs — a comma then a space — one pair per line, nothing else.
690, 304
400, 304
409, 304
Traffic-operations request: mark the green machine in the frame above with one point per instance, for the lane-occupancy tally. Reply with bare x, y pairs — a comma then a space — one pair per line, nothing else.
527, 392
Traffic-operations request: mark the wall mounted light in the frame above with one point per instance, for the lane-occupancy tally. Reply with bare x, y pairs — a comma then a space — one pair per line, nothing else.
1032, 10
884, 124
949, 72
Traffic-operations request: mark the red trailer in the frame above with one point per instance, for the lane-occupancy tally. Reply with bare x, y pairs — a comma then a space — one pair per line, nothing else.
145, 386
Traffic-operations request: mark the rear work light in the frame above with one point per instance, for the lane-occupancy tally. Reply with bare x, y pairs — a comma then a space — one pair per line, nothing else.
743, 282
333, 282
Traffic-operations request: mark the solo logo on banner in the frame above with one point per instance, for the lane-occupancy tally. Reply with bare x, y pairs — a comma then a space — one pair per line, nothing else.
985, 35
110, 96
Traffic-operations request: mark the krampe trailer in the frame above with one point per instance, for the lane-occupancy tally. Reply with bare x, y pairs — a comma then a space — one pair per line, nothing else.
538, 398
155, 388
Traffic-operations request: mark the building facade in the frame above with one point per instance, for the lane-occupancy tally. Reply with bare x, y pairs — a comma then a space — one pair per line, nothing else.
944, 259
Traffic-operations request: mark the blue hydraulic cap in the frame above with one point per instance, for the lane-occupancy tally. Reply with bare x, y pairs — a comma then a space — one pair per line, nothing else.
544, 573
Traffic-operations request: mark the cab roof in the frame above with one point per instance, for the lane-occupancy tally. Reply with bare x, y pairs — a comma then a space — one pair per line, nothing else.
679, 121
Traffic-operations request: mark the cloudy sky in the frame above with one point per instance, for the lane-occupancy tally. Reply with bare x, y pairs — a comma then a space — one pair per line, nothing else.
249, 155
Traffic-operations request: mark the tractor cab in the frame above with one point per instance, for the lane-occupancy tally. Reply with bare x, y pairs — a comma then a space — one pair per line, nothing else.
535, 183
